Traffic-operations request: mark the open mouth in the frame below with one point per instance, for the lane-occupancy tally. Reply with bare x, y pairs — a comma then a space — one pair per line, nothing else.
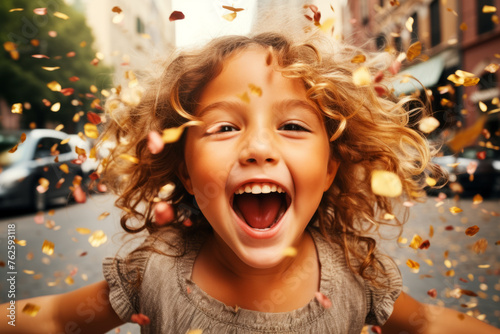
260, 205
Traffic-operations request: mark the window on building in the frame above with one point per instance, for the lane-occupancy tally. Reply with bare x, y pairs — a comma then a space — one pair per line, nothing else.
381, 42
484, 21
435, 23
365, 14
140, 28
398, 44
414, 34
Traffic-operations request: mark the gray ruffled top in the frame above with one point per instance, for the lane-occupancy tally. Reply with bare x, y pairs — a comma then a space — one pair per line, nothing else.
175, 304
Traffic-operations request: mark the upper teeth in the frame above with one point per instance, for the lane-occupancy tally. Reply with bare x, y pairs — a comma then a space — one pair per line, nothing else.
259, 188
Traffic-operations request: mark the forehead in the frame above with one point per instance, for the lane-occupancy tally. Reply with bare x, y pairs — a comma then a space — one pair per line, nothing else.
249, 67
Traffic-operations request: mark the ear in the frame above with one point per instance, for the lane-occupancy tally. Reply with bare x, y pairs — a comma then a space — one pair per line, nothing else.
333, 166
183, 175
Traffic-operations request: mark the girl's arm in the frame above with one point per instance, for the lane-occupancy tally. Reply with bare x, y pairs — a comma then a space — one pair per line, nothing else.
411, 316
86, 310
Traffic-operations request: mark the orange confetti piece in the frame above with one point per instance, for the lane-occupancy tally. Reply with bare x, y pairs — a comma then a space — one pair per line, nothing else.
450, 273
116, 9
358, 59
31, 309
9, 46
432, 293
455, 210
21, 243
79, 195
17, 108
467, 136
173, 134
430, 181
414, 51
233, 9
477, 199
140, 319
229, 17
385, 183
103, 215
98, 238
255, 90
64, 168
412, 264
463, 26
480, 246
416, 241
472, 231
431, 231
361, 77
48, 247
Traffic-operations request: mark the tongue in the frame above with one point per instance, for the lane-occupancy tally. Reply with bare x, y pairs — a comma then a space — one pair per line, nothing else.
259, 211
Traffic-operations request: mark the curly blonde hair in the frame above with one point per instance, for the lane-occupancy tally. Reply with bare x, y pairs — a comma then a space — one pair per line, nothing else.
368, 130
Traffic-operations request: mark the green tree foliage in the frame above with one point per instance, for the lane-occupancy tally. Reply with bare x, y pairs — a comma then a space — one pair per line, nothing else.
24, 80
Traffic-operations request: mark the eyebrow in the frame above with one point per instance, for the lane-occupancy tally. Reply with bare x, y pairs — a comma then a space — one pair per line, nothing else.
279, 107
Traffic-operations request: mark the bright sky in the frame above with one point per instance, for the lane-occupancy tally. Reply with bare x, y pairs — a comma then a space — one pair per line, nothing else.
204, 20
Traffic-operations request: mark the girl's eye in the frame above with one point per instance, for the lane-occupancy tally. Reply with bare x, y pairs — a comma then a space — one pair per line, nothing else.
293, 127
226, 128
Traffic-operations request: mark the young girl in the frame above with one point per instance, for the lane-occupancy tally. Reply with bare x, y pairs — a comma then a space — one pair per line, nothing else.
271, 199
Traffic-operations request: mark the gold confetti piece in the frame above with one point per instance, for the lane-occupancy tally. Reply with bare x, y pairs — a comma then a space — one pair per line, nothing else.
431, 231
492, 68
416, 241
129, 157
29, 272
450, 273
56, 107
61, 15
54, 86
409, 24
412, 264
484, 266
16, 10
31, 309
173, 134
388, 216
50, 69
97, 238
255, 90
429, 262
20, 242
327, 25
454, 210
91, 130
17, 108
69, 280
244, 97
489, 9
463, 26
195, 331
103, 215
358, 59
48, 247
447, 263
430, 181
233, 9
229, 17
386, 183
402, 240
428, 124
361, 76
64, 168
414, 51
452, 11
290, 251
483, 106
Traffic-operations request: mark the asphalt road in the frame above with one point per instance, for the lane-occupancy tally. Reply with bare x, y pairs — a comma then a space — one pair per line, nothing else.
75, 257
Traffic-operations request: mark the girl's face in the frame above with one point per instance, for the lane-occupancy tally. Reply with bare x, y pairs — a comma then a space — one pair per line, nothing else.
259, 165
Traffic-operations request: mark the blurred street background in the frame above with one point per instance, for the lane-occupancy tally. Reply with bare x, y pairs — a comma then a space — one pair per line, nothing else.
61, 59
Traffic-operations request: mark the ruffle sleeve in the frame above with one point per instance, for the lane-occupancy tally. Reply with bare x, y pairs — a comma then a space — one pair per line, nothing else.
380, 301
121, 275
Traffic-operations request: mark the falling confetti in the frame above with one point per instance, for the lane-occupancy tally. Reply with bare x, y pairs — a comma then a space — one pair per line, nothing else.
83, 230
255, 90
323, 300
229, 17
31, 309
454, 210
416, 241
54, 86
48, 247
472, 231
103, 215
195, 331
40, 11
140, 319
98, 238
358, 59
428, 124
176, 15
17, 108
91, 130
412, 264
489, 9
361, 76
61, 15
414, 51
173, 134
386, 183
129, 157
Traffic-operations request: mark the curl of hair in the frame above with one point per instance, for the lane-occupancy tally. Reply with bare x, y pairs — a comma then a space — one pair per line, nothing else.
367, 131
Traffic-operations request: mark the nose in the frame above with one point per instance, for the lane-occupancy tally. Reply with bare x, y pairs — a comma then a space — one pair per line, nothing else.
259, 149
